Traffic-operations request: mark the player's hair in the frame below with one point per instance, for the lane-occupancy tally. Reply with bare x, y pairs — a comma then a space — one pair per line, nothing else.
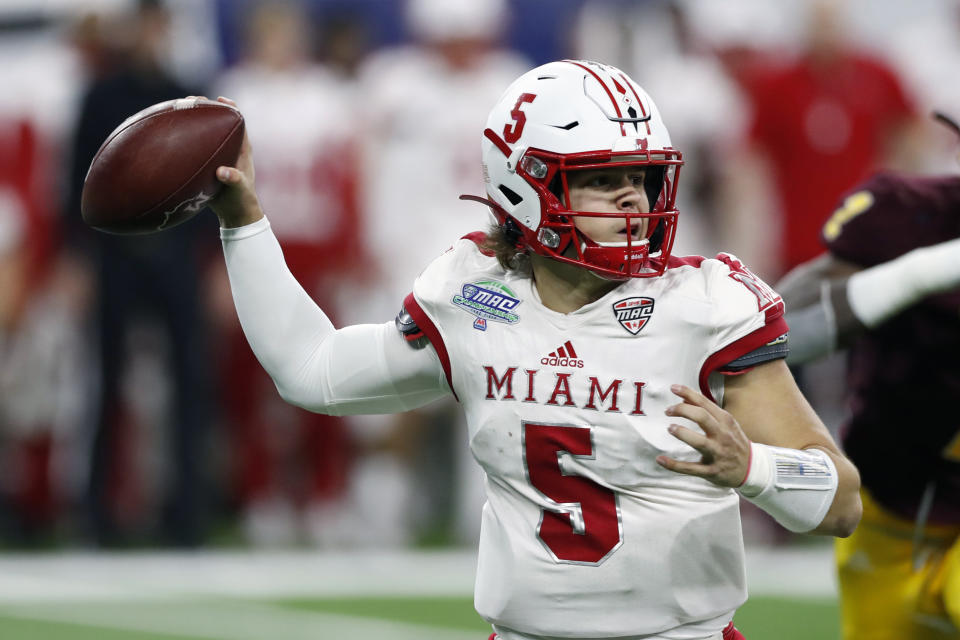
503, 243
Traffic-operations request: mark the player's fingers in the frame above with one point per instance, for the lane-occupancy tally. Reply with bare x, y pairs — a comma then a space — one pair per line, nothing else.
245, 159
226, 100
689, 395
693, 413
697, 399
696, 440
229, 175
686, 468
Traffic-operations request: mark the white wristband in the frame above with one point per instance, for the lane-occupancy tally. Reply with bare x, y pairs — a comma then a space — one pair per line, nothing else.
880, 292
795, 487
759, 473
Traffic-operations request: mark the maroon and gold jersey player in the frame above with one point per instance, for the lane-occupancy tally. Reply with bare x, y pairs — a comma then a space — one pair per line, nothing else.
903, 373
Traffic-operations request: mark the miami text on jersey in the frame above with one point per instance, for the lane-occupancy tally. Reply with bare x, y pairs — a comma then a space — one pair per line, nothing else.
584, 387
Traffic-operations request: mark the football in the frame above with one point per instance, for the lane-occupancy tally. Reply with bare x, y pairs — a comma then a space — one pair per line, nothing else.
158, 168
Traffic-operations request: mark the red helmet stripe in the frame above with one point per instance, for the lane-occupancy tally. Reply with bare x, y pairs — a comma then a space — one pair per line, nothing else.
603, 84
498, 142
639, 101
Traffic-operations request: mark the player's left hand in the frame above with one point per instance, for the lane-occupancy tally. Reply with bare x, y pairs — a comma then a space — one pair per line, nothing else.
724, 447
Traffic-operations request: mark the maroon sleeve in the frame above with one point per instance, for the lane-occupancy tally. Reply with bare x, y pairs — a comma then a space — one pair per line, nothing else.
907, 212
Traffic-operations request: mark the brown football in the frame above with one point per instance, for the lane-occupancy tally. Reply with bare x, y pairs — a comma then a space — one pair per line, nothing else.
158, 168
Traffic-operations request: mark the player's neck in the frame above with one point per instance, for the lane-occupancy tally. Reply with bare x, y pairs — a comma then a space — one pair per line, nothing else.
564, 288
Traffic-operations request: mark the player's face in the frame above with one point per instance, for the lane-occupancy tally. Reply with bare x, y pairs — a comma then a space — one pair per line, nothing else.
614, 190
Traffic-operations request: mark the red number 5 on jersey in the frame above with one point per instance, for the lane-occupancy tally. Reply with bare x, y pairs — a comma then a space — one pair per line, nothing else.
513, 130
587, 534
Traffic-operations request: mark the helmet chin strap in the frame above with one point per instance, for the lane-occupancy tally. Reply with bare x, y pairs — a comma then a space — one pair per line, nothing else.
638, 243
601, 259
611, 245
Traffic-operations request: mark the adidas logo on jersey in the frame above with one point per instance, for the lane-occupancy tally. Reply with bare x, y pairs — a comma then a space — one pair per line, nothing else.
564, 356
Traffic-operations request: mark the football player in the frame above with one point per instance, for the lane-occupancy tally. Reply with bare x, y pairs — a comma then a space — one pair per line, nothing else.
619, 399
889, 289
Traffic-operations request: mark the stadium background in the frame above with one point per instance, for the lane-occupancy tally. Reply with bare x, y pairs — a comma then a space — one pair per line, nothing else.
380, 542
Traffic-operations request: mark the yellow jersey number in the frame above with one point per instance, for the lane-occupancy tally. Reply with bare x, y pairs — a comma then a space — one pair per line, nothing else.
852, 206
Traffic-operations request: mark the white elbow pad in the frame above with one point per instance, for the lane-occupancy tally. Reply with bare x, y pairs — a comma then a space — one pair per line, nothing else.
795, 487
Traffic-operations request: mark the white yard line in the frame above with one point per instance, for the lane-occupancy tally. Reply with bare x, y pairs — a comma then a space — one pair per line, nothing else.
103, 576
62, 577
231, 621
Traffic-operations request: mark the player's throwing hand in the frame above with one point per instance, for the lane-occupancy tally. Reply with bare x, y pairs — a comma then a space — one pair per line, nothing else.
723, 445
237, 203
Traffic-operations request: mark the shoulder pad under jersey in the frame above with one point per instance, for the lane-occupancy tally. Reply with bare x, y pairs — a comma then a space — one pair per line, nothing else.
408, 328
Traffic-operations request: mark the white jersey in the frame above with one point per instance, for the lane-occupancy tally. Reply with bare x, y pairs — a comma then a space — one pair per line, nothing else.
583, 533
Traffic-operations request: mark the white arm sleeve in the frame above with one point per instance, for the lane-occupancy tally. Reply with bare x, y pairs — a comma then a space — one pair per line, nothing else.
878, 293
358, 369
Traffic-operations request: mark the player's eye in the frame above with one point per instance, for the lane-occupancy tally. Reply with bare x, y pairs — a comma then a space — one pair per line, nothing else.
599, 181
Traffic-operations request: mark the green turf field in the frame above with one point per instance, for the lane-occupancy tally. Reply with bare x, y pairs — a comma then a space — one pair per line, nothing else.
759, 619
329, 595
352, 619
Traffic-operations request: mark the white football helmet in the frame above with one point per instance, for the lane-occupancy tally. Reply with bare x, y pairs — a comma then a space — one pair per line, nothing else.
574, 115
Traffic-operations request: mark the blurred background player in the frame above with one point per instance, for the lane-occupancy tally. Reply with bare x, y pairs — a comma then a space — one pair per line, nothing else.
820, 121
688, 75
44, 357
148, 315
925, 52
888, 289
41, 349
422, 141
291, 467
